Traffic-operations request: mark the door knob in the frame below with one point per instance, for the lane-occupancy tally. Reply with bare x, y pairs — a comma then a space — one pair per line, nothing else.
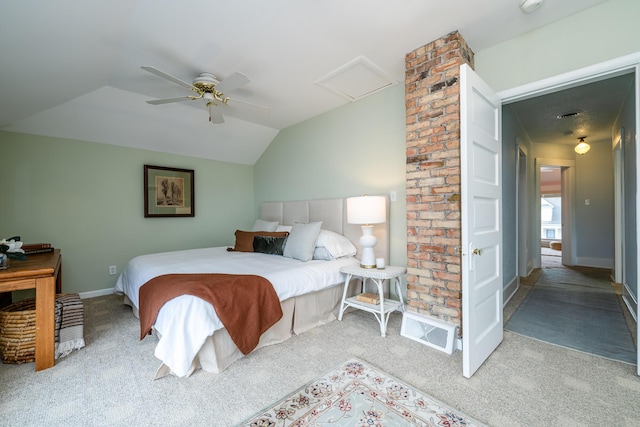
476, 251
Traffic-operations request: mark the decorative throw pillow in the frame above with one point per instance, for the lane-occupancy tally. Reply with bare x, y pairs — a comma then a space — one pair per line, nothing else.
261, 225
302, 241
269, 245
244, 239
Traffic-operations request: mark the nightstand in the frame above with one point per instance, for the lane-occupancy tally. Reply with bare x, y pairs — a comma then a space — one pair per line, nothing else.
383, 309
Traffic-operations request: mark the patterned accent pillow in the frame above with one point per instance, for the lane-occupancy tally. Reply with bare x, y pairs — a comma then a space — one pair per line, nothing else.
269, 245
244, 239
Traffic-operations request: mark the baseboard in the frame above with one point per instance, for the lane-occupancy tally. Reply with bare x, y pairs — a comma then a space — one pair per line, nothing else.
99, 293
594, 262
630, 301
457, 345
510, 290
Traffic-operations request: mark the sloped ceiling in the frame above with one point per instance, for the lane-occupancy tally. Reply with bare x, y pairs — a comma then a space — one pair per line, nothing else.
71, 68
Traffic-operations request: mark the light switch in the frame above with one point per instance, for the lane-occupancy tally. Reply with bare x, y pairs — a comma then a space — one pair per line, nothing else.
587, 202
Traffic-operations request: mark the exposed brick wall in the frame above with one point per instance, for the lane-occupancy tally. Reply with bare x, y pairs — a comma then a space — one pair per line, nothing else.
432, 99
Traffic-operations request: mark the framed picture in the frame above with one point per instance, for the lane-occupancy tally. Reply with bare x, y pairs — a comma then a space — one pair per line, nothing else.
168, 192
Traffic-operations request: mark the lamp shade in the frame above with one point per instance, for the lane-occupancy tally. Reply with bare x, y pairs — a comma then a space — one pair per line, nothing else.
366, 210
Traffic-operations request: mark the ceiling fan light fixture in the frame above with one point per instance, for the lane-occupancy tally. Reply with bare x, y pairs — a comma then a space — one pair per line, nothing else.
582, 146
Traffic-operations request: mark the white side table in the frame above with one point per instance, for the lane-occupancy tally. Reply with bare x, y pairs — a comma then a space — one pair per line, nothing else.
383, 310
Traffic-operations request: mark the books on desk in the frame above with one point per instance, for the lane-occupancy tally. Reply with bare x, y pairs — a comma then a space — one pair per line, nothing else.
37, 248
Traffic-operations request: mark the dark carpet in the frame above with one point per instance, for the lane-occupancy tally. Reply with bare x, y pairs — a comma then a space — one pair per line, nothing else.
576, 308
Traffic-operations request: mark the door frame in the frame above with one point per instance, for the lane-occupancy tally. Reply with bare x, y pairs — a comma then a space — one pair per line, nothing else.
567, 188
614, 67
618, 194
523, 267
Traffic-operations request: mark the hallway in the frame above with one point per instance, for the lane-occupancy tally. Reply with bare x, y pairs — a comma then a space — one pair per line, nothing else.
577, 308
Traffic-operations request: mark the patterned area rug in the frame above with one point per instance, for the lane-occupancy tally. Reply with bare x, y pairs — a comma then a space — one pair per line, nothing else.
356, 394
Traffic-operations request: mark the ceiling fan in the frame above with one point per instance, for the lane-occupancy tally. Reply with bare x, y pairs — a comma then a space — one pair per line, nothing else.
208, 88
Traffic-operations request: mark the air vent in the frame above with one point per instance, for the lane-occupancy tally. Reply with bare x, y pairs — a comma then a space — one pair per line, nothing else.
429, 331
569, 114
356, 79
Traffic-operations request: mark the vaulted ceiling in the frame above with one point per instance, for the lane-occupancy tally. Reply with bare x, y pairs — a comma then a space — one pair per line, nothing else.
71, 68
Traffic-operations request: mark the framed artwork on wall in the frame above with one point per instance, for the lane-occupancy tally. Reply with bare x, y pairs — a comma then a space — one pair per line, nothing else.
168, 192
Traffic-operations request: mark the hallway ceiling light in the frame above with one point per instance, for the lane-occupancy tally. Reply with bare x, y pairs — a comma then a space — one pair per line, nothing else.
582, 146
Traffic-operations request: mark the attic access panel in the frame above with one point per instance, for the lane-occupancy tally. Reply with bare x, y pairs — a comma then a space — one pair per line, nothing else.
356, 79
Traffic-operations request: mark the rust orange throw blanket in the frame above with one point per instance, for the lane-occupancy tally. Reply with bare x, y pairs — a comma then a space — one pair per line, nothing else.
247, 305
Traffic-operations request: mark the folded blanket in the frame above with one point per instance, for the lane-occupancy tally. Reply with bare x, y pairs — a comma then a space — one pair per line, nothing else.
69, 324
247, 305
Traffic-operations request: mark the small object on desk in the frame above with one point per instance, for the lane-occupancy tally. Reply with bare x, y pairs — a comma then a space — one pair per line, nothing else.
369, 298
380, 263
37, 248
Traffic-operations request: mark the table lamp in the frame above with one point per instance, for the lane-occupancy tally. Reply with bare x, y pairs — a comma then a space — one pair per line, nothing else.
367, 210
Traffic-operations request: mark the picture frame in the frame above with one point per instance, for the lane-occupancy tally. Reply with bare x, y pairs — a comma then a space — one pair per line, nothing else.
168, 192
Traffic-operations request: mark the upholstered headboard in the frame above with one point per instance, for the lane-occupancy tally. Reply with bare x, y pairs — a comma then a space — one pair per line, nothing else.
332, 213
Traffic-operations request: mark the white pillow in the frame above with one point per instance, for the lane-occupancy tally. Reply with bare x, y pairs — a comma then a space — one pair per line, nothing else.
283, 228
261, 225
335, 244
321, 253
302, 241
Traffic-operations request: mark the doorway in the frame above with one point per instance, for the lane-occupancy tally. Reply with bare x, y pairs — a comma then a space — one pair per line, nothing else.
568, 228
551, 216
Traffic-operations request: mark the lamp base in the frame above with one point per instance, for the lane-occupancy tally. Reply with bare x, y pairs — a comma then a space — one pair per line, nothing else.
367, 242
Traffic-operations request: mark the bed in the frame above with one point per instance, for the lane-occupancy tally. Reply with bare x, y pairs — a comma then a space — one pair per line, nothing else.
189, 332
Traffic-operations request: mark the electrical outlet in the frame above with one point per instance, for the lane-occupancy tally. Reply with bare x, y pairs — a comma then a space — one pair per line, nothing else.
392, 196
112, 270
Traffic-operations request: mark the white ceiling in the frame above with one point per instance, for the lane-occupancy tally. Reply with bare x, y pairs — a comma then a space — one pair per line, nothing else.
71, 68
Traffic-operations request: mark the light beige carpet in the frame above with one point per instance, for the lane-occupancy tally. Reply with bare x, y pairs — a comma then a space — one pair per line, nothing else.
108, 382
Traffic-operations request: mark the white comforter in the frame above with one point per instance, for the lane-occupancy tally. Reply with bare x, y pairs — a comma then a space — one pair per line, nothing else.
184, 323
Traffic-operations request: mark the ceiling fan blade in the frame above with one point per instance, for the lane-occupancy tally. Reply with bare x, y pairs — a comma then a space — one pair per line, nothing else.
233, 82
215, 115
169, 100
169, 77
247, 106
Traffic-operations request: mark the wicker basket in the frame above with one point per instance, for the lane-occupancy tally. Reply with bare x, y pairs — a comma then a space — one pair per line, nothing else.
18, 332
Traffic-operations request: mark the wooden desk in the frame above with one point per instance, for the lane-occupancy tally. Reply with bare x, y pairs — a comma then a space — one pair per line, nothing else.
41, 272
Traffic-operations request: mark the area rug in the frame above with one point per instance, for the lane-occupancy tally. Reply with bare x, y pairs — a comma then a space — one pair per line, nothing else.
576, 308
356, 394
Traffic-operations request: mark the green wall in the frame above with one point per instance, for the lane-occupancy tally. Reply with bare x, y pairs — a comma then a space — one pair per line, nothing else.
86, 199
601, 33
353, 150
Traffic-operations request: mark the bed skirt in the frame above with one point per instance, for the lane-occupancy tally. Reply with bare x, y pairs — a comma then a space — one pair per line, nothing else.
300, 314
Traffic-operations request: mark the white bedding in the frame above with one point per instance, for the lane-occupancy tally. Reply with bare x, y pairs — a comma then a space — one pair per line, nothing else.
184, 323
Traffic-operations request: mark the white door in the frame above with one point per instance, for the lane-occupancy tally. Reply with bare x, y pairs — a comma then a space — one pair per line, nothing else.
481, 170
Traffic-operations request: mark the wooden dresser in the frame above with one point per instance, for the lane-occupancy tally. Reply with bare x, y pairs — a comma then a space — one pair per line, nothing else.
42, 272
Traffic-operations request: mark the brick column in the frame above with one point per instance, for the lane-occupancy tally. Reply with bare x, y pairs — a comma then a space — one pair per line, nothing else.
432, 99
